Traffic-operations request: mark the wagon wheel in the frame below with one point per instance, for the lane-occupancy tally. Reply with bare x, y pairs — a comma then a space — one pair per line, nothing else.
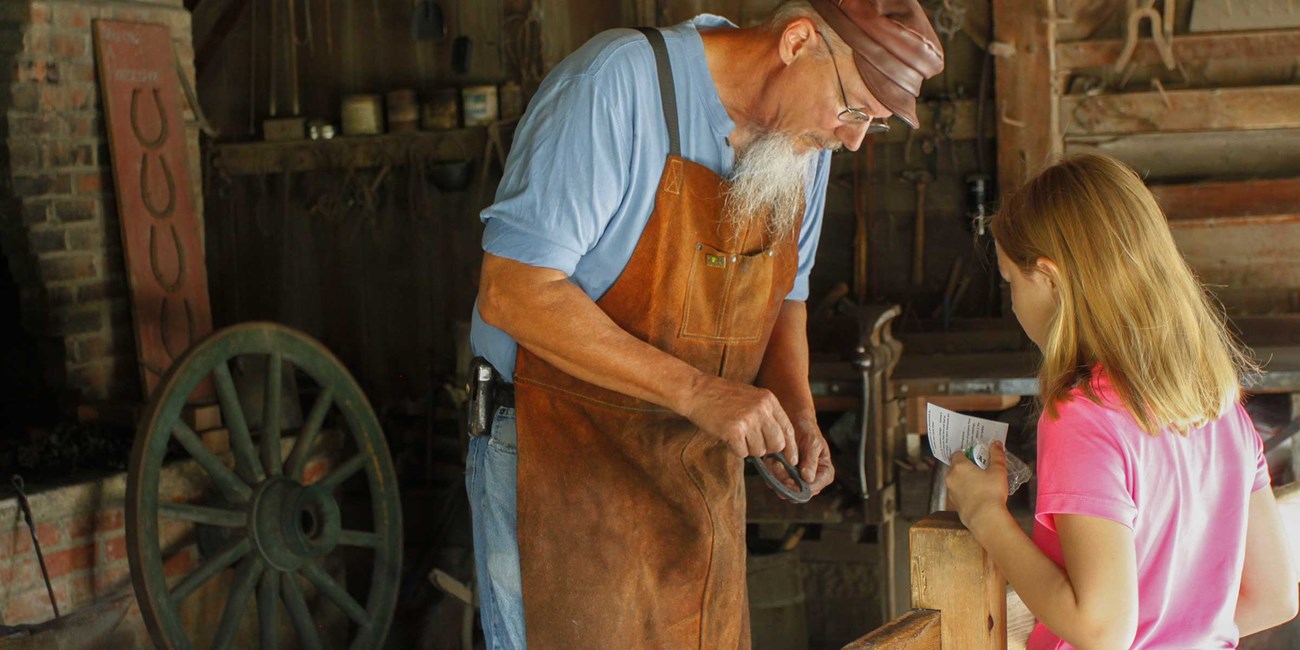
273, 529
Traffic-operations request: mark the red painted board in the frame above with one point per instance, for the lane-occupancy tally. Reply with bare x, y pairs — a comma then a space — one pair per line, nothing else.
161, 234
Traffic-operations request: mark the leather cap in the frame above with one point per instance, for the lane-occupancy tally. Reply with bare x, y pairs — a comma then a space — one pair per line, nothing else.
893, 44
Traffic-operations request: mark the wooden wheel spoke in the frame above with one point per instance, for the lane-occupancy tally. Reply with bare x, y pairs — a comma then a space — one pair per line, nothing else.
336, 593
298, 612
204, 514
225, 557
260, 474
310, 430
271, 416
358, 538
247, 464
345, 471
268, 610
240, 591
231, 486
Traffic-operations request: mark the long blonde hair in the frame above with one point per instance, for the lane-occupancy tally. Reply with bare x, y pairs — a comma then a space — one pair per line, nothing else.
1128, 300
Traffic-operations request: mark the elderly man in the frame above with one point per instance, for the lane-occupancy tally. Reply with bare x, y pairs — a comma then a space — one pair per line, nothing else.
642, 300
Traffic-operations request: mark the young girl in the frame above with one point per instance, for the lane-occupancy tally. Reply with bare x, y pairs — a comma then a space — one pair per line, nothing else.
1155, 524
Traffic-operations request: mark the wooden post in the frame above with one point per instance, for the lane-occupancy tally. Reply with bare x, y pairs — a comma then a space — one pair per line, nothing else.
1028, 119
915, 630
952, 573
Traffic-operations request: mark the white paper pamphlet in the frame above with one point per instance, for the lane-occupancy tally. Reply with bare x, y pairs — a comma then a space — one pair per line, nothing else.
951, 432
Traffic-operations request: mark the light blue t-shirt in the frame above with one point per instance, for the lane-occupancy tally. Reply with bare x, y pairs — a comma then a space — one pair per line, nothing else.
580, 181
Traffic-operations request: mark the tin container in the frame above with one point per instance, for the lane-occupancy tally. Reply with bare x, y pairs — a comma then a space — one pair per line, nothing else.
480, 105
363, 115
403, 111
512, 100
441, 111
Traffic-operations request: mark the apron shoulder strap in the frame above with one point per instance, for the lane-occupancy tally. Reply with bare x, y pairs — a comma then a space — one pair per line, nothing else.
667, 90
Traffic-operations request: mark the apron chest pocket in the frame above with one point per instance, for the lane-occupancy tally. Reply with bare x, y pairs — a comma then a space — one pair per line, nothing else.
727, 295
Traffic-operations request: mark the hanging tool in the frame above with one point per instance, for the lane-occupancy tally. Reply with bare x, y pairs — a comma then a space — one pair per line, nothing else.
252, 74
293, 57
977, 201
920, 179
329, 26
17, 482
1162, 31
428, 23
275, 29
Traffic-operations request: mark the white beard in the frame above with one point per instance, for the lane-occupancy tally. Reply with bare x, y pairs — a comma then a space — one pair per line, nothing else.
768, 182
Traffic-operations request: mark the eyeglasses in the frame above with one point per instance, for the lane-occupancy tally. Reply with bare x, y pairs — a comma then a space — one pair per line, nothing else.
852, 115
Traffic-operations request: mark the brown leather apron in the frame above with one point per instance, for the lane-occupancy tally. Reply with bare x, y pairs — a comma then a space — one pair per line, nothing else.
631, 520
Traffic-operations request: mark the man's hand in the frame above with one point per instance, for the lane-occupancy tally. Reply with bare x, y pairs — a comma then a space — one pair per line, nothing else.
749, 420
810, 454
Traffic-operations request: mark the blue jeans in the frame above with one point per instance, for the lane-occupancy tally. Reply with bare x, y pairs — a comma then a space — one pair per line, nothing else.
490, 477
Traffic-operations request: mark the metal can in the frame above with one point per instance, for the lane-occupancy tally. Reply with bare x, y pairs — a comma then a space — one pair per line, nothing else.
363, 115
512, 100
480, 105
403, 111
442, 111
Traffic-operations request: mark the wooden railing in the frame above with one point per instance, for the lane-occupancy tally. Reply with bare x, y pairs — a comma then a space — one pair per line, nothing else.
960, 599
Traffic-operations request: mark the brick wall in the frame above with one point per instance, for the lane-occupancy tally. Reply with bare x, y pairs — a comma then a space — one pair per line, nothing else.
58, 223
82, 535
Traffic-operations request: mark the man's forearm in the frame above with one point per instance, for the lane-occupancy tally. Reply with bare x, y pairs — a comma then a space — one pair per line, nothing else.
560, 323
785, 363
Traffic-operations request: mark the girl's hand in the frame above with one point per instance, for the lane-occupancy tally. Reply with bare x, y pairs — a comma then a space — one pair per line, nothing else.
976, 492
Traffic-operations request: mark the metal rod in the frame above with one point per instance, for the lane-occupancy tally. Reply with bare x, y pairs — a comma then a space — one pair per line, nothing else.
293, 58
19, 486
275, 31
252, 72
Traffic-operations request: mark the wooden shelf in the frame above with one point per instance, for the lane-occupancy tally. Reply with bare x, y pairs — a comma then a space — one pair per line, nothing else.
1190, 48
351, 152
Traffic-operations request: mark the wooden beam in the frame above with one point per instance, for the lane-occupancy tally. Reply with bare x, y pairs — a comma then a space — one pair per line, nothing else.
1192, 48
1025, 105
951, 573
917, 629
1264, 197
1214, 109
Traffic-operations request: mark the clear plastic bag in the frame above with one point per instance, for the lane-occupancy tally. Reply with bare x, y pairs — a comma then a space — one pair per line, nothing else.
1018, 473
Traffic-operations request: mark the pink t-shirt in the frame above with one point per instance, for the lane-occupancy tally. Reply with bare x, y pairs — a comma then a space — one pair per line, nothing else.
1186, 499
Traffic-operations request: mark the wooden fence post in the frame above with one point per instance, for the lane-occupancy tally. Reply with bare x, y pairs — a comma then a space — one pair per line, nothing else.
952, 573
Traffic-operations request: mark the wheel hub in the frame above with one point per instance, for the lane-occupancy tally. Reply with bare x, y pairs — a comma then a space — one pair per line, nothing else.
291, 523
